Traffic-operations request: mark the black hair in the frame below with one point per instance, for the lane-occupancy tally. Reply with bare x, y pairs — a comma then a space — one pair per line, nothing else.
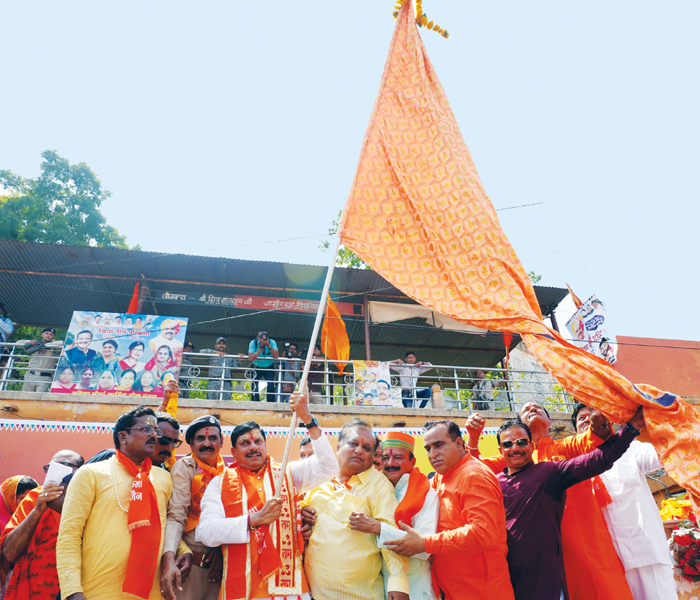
67, 367
293, 344
577, 409
138, 384
163, 417
111, 343
305, 440
244, 428
453, 429
168, 348
377, 442
410, 352
84, 331
26, 484
134, 344
510, 425
127, 420
353, 424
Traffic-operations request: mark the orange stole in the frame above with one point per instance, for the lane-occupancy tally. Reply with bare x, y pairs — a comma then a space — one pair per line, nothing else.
199, 485
287, 530
418, 486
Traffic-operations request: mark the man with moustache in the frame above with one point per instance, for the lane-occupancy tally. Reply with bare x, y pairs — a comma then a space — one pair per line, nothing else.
469, 549
191, 475
418, 506
29, 539
220, 371
535, 495
81, 353
260, 533
168, 441
633, 518
343, 563
593, 569
44, 357
113, 519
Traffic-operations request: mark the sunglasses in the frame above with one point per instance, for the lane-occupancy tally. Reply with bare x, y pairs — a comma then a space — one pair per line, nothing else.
521, 442
61, 462
165, 440
148, 430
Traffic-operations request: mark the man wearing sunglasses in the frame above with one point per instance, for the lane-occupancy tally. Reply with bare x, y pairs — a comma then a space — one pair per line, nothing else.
168, 441
534, 495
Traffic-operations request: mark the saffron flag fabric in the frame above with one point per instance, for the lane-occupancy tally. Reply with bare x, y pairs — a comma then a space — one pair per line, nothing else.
335, 343
417, 213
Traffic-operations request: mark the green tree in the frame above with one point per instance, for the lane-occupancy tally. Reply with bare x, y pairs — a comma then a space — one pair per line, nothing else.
346, 257
534, 277
61, 206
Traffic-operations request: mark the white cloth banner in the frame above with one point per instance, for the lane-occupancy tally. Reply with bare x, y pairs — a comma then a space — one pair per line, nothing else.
387, 312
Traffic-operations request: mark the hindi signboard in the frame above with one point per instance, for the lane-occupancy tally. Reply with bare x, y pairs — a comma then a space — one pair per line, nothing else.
589, 330
372, 383
120, 354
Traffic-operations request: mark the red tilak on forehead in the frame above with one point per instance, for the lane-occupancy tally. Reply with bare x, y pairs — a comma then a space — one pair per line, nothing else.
207, 430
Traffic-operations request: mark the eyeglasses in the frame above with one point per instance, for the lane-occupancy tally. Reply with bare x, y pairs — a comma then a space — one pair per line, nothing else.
164, 441
60, 462
521, 442
148, 430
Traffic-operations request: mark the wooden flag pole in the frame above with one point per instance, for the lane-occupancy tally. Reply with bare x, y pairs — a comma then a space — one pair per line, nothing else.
307, 365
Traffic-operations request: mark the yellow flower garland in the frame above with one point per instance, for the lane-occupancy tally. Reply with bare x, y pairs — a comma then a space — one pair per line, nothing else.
421, 17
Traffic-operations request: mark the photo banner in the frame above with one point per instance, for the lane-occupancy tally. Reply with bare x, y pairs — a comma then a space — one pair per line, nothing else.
120, 354
589, 330
372, 383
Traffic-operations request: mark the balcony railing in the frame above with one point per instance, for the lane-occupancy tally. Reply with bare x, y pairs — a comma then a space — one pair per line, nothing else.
232, 378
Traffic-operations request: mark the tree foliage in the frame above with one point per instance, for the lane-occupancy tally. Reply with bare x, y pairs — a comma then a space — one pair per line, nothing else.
61, 206
534, 277
346, 257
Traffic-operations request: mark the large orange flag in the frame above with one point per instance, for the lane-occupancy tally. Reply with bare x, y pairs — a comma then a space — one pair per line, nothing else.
418, 214
334, 337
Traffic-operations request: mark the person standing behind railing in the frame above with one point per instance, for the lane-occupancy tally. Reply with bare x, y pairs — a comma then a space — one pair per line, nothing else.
219, 371
291, 370
409, 372
185, 370
42, 364
261, 353
316, 376
7, 327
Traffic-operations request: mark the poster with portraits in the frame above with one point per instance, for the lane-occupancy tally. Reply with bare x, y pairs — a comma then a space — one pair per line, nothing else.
372, 383
120, 354
589, 330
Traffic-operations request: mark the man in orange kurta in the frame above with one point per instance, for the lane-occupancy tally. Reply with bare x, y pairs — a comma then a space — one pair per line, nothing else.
593, 568
469, 550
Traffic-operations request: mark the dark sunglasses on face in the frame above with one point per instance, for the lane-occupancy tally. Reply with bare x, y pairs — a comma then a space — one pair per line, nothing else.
61, 462
164, 441
521, 442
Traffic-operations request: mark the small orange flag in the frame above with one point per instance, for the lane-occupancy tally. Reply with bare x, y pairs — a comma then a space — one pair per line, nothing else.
133, 305
574, 297
334, 337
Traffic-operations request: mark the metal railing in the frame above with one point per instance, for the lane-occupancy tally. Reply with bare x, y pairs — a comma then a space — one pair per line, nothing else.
232, 378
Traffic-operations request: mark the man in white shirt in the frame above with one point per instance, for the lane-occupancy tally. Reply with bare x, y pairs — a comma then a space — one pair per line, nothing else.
418, 503
633, 518
409, 372
260, 534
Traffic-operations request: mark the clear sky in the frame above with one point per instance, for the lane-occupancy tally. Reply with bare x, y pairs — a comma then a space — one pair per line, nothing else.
218, 126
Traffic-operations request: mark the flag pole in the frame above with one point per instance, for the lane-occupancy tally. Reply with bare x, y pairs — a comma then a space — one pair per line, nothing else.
307, 364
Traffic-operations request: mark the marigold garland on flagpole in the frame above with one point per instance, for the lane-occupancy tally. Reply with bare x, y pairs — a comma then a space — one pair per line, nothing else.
421, 17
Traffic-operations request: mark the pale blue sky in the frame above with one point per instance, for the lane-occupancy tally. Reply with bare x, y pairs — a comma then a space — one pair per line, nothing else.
217, 125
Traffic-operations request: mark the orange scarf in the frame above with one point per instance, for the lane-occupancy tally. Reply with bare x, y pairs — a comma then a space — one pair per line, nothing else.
144, 525
600, 492
199, 485
270, 559
409, 507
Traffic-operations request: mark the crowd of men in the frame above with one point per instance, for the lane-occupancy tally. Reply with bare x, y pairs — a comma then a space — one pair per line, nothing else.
536, 522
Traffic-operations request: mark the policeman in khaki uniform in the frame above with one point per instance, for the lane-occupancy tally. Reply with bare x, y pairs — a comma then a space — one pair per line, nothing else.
42, 364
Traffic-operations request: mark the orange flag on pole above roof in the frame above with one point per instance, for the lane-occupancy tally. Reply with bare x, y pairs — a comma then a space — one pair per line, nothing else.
334, 337
417, 213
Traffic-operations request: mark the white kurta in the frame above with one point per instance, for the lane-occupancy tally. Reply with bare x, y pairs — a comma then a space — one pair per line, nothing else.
215, 529
635, 525
420, 583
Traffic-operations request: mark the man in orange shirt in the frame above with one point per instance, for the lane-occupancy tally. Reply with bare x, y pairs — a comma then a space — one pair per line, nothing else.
593, 568
469, 549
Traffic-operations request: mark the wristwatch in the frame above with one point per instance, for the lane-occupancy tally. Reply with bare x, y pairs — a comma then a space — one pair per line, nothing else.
314, 423
633, 429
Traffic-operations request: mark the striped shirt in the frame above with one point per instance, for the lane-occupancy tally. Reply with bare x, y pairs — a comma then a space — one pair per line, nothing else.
342, 564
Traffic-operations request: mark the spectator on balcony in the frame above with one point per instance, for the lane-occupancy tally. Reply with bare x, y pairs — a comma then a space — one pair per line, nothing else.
108, 359
44, 356
316, 377
219, 384
291, 370
81, 353
6, 329
262, 352
186, 370
483, 390
409, 371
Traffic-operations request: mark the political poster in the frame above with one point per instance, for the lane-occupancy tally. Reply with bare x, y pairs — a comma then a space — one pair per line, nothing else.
120, 354
372, 383
589, 330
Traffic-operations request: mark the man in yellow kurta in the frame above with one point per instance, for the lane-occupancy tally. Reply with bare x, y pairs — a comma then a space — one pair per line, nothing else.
111, 533
343, 564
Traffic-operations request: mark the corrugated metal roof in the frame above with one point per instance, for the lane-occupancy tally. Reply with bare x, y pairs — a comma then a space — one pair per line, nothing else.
42, 284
